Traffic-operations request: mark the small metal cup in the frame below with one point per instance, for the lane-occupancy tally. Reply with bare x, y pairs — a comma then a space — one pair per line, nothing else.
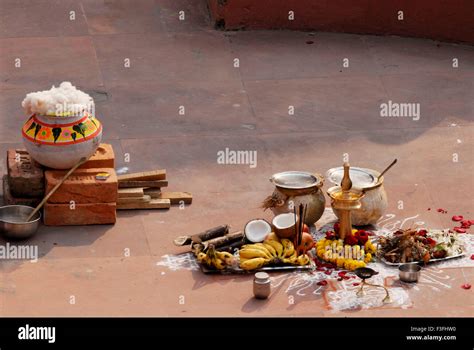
409, 272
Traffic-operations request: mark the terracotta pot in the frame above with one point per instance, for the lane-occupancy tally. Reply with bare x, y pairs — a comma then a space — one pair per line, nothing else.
373, 204
293, 188
60, 142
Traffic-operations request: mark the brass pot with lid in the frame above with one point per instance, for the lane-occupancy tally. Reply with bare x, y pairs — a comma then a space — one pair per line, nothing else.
293, 188
373, 204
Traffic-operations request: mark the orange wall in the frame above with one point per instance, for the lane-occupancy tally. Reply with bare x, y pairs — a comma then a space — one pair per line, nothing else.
450, 20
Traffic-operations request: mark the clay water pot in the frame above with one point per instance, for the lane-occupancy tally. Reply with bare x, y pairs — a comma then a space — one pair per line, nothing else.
60, 142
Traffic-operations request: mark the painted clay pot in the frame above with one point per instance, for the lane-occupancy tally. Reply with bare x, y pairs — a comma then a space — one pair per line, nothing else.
60, 142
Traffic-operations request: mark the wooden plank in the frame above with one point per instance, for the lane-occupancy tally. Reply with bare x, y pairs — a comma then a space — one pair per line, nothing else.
177, 197
154, 193
152, 204
132, 200
130, 192
131, 184
144, 176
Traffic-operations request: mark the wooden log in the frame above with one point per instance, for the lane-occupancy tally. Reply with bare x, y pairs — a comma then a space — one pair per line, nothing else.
151, 183
152, 204
177, 197
231, 247
132, 200
130, 192
144, 176
203, 236
153, 192
218, 241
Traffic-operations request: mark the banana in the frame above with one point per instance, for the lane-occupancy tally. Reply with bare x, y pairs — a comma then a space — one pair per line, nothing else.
289, 249
219, 264
228, 258
272, 237
270, 248
258, 246
303, 260
293, 259
201, 257
248, 253
263, 247
252, 264
208, 260
277, 246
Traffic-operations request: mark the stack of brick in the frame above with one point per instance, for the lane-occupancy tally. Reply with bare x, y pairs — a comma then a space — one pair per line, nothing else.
24, 182
85, 198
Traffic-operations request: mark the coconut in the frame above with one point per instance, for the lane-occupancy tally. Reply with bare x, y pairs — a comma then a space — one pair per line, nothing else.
284, 225
256, 230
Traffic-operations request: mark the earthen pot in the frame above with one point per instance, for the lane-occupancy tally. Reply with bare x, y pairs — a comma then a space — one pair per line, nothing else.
60, 142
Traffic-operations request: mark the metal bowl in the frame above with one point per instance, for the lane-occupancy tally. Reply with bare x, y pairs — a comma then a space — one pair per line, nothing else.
12, 222
409, 272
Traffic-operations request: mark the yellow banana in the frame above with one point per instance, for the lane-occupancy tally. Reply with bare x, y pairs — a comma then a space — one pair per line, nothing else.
270, 248
208, 260
277, 246
248, 253
293, 259
303, 260
218, 264
263, 247
201, 257
272, 237
252, 264
289, 249
258, 246
228, 258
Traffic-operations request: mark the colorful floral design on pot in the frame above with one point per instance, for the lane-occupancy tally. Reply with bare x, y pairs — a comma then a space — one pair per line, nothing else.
373, 204
60, 142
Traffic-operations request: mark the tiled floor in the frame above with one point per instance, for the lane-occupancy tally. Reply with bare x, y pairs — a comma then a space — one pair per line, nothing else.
186, 63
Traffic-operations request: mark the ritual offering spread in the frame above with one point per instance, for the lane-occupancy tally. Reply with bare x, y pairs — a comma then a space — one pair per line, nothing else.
288, 241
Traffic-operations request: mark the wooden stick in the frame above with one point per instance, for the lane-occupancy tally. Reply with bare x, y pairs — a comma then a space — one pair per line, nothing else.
134, 200
45, 199
143, 176
153, 192
151, 183
177, 197
130, 192
152, 204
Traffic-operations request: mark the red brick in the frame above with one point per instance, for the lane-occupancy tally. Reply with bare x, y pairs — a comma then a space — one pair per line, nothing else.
25, 175
8, 199
82, 186
104, 157
83, 214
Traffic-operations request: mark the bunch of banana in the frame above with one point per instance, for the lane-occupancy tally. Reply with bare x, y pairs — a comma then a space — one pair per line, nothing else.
272, 251
213, 258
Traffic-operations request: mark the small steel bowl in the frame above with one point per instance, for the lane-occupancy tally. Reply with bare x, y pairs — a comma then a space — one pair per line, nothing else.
409, 272
13, 223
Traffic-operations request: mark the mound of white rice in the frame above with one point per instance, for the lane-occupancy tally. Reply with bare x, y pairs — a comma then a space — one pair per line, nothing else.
59, 101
